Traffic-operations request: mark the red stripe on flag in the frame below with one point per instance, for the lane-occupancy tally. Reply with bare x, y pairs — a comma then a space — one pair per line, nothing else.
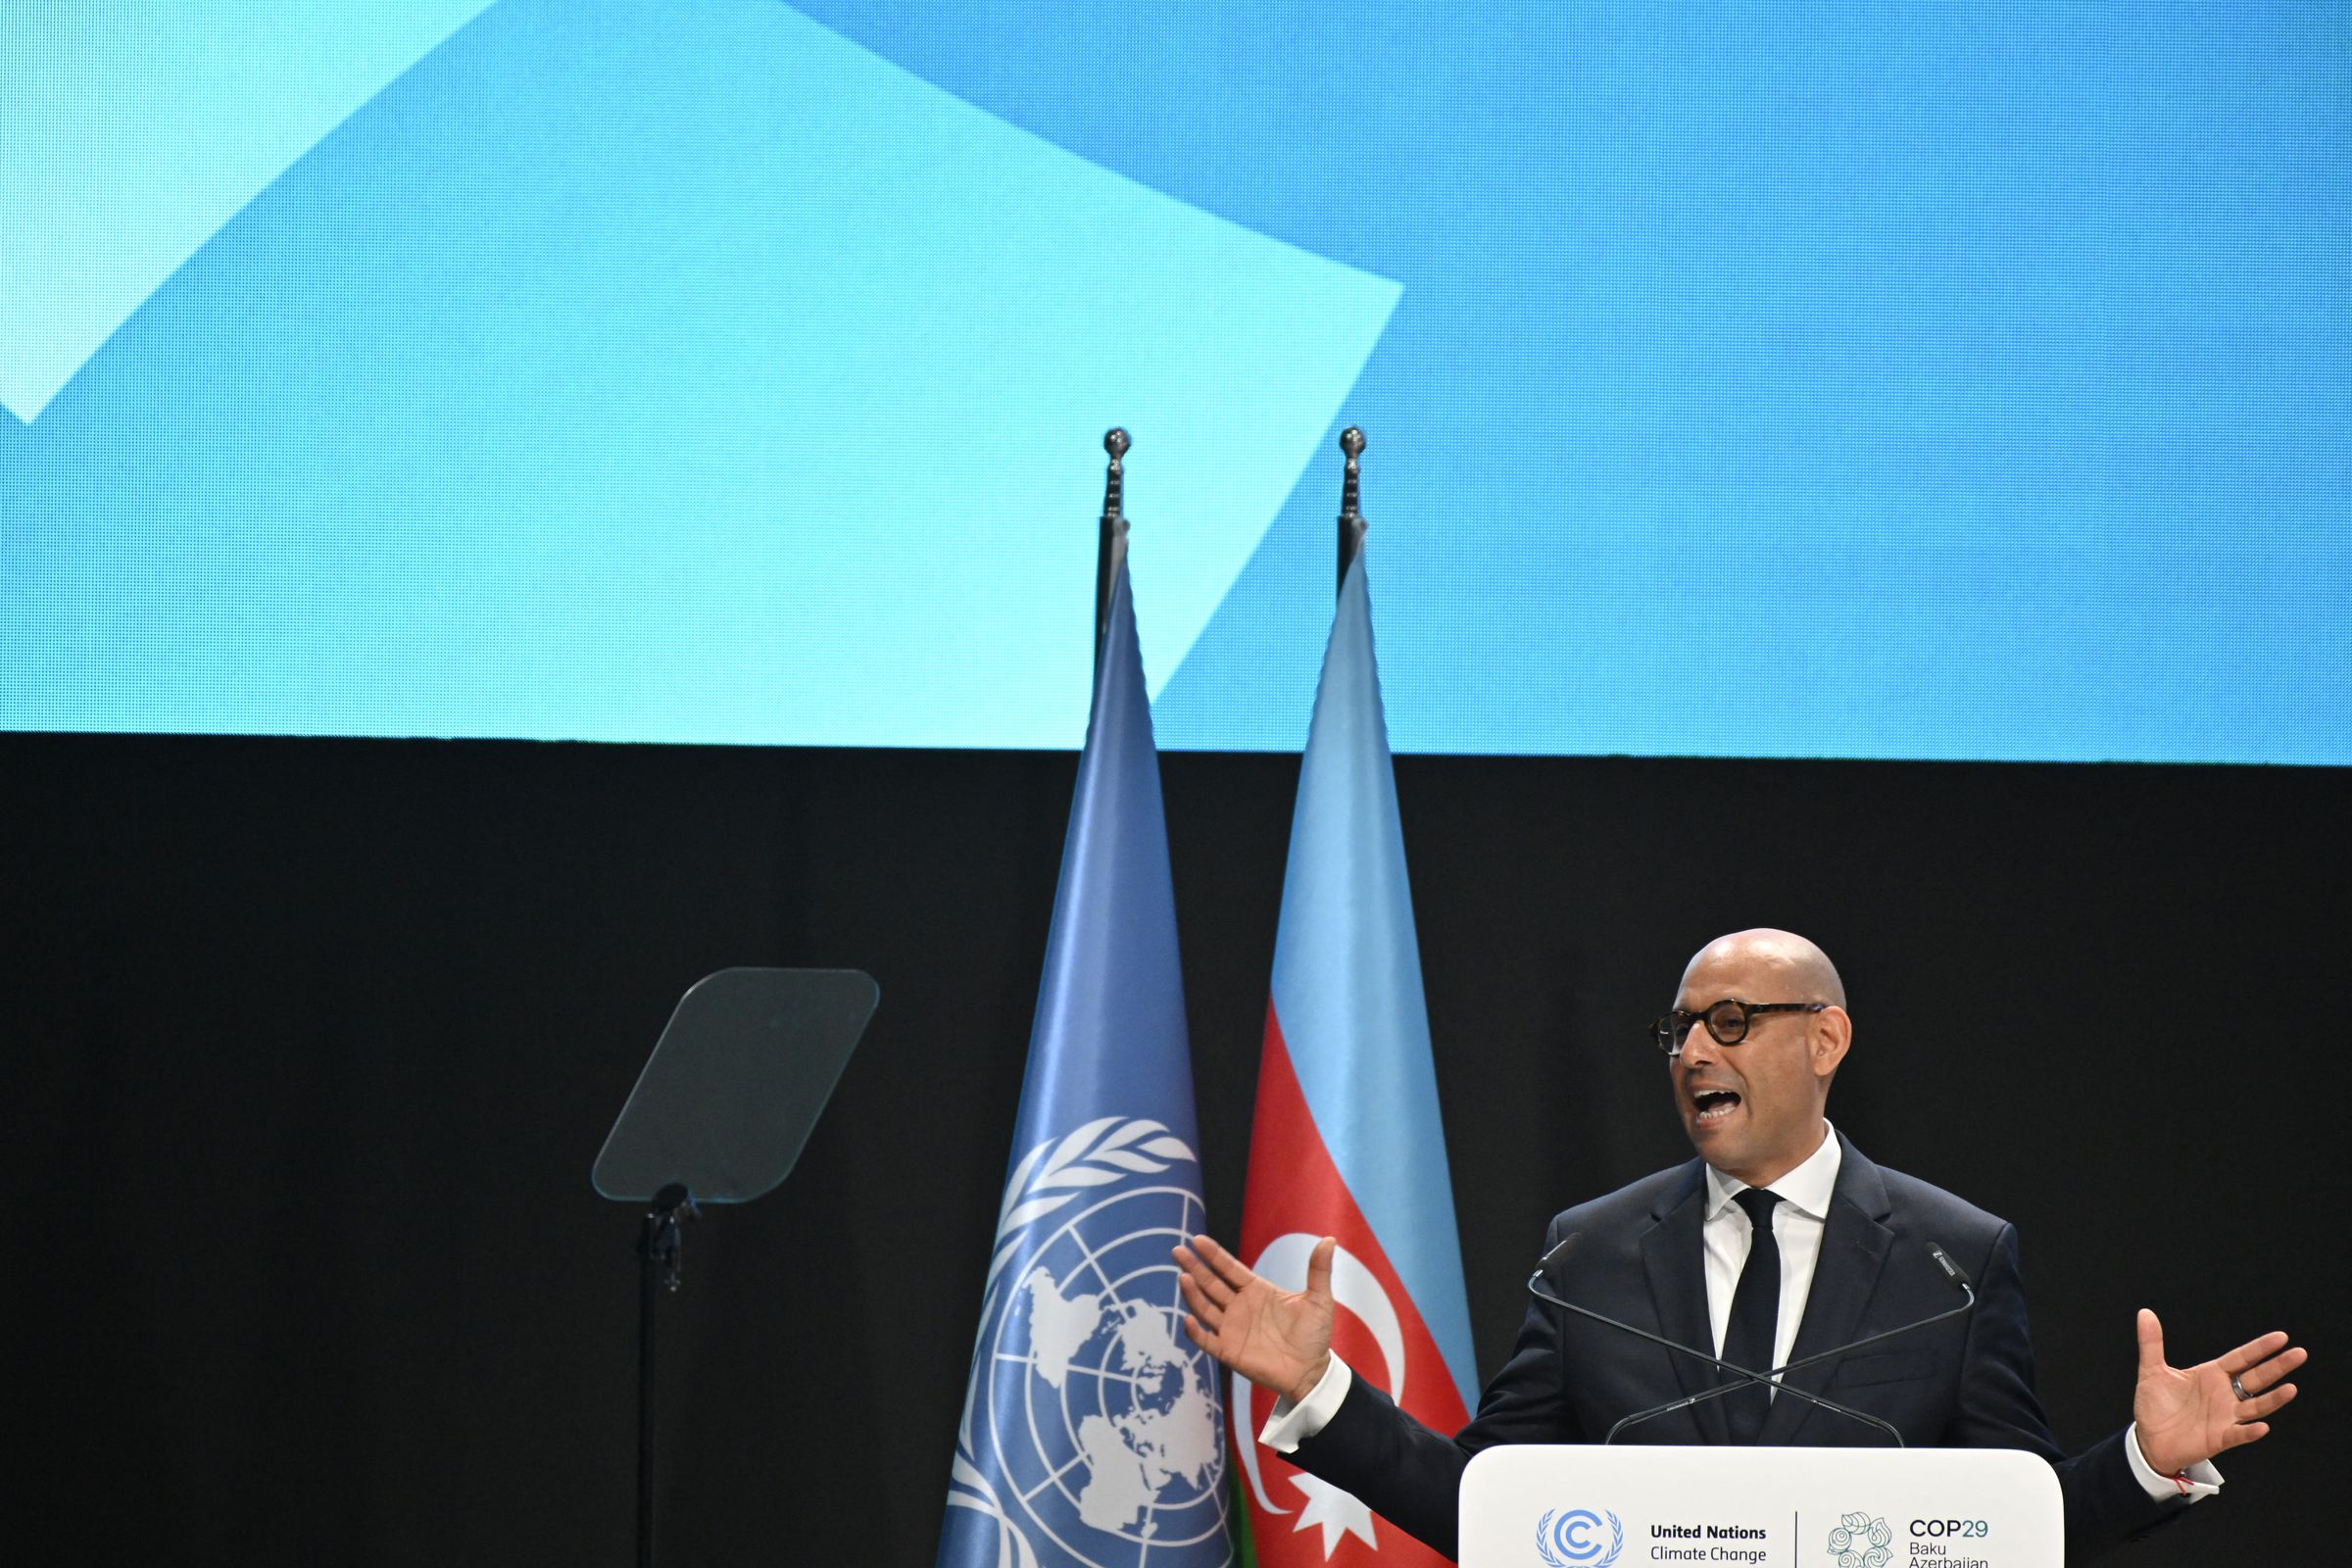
1294, 1189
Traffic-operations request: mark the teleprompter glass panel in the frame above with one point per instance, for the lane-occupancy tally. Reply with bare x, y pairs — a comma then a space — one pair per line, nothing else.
728, 1097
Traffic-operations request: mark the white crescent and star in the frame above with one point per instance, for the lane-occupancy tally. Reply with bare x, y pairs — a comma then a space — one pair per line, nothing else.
1355, 1287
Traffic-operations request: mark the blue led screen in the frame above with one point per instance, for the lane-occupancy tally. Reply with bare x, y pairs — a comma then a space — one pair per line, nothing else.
1845, 381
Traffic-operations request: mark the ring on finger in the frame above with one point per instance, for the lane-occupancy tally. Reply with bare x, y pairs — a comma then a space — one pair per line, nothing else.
2238, 1389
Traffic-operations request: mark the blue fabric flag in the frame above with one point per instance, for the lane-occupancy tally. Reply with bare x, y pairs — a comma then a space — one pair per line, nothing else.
1093, 1431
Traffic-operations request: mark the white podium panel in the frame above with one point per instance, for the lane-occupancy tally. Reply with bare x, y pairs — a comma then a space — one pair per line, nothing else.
1578, 1506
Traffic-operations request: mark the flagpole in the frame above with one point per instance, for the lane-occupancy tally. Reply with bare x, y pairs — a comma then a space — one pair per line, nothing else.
1106, 1110
1111, 549
1346, 1141
1351, 521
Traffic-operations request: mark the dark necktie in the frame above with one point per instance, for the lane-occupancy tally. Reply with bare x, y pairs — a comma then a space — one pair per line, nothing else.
1755, 1310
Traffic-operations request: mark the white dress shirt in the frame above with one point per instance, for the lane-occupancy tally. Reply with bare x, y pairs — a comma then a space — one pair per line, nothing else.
1797, 1222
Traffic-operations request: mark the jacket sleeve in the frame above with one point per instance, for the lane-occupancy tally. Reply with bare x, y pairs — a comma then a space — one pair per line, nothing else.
1412, 1476
2105, 1504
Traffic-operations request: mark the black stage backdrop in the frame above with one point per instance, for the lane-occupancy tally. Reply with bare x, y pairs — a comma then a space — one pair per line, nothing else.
315, 1042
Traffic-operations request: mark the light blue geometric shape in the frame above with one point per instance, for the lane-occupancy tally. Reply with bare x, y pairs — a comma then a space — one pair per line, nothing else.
2022, 390
130, 132
663, 374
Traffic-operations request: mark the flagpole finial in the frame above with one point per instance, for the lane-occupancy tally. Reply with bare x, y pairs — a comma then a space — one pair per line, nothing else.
1110, 547
1351, 520
1115, 441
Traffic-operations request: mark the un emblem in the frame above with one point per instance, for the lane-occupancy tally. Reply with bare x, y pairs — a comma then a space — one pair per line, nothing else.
1571, 1538
1092, 1422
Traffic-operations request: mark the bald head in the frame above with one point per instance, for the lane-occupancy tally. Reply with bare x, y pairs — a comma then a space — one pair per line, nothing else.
1753, 1107
1800, 971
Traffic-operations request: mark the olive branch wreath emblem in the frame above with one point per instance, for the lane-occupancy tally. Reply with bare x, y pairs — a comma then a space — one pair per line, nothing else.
1108, 1149
1543, 1539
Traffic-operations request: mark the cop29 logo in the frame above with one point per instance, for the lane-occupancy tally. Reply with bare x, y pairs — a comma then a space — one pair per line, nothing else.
1571, 1538
1862, 1541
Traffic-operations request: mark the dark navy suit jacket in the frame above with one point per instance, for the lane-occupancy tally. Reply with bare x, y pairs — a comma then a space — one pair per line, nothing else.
1965, 1382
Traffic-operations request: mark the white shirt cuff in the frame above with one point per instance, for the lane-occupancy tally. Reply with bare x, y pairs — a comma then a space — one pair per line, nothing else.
1290, 1424
2203, 1479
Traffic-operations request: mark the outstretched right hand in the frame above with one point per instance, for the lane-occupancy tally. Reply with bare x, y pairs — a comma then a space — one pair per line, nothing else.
1279, 1340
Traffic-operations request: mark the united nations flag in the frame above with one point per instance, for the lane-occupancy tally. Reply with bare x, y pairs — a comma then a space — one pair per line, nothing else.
1093, 1432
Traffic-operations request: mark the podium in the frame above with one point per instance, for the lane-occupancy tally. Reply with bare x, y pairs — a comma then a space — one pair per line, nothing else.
1538, 1506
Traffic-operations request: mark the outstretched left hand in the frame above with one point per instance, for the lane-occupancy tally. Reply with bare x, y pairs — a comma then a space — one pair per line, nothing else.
2188, 1414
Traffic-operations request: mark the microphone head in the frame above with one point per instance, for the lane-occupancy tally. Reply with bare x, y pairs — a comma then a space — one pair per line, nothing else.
1952, 1270
1559, 1253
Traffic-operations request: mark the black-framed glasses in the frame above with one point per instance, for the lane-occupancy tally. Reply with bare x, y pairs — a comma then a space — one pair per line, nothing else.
1727, 1022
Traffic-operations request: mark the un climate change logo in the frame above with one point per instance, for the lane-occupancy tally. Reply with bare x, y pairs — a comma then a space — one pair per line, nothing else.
1861, 1542
1093, 1421
1575, 1540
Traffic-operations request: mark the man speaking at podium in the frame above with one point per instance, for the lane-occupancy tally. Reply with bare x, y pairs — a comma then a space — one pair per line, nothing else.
1780, 1241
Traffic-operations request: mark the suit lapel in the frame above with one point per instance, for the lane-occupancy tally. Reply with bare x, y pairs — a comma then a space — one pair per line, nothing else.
1672, 1254
1854, 1244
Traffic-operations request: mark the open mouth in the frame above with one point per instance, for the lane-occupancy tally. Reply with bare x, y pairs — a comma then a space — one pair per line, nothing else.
1714, 1104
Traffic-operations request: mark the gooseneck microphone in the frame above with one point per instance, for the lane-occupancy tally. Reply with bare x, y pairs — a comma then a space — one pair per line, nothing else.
1952, 1271
1535, 1288
1744, 1376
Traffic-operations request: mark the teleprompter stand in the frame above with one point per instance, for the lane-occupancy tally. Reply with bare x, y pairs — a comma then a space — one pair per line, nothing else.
719, 1115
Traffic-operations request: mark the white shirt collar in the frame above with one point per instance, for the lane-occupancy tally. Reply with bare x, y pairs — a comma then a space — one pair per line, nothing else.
1806, 1188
